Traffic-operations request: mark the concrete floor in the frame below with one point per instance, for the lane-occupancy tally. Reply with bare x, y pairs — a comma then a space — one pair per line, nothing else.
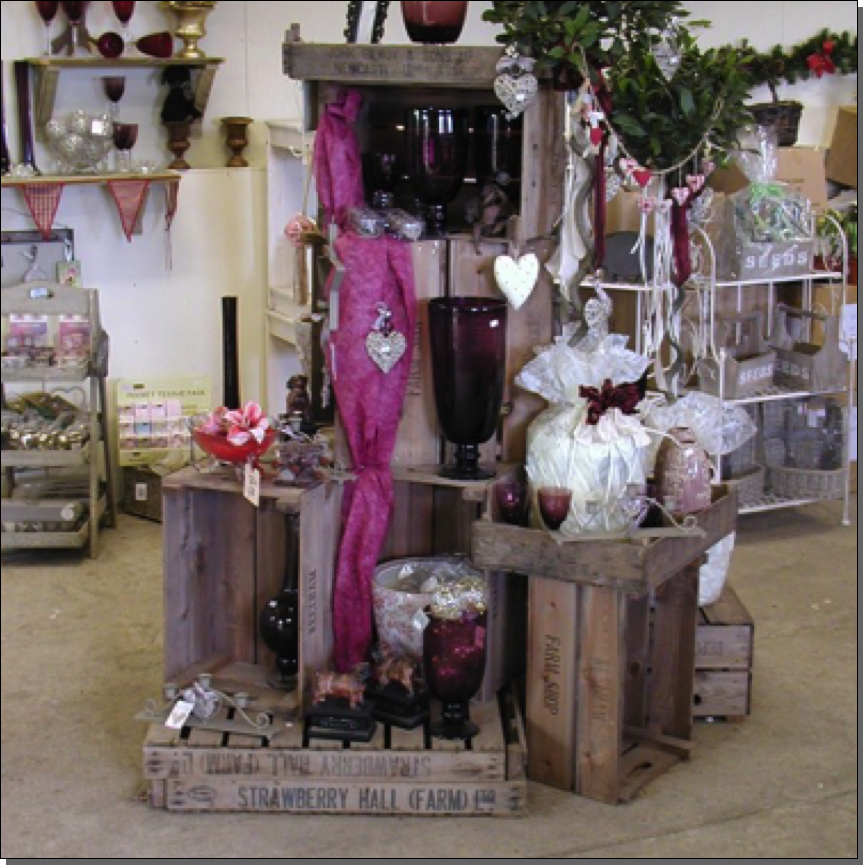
81, 652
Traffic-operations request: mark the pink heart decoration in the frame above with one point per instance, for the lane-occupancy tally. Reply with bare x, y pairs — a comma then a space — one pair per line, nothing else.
596, 136
681, 195
696, 182
643, 176
627, 166
647, 206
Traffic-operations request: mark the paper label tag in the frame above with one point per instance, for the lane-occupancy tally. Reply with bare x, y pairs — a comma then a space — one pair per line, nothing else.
421, 621
849, 330
181, 713
141, 493
252, 485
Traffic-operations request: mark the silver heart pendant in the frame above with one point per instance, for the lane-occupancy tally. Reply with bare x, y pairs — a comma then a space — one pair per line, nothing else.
516, 93
386, 350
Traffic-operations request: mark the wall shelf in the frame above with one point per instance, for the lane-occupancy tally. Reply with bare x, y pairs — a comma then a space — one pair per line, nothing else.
89, 179
47, 71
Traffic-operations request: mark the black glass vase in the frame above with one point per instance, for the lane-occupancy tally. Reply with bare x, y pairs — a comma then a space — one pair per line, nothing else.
280, 620
468, 343
498, 143
437, 149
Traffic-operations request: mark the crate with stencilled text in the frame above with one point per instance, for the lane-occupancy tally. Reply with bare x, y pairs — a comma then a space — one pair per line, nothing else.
398, 774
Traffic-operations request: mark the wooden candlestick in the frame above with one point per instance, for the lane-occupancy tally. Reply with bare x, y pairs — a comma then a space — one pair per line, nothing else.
179, 143
238, 139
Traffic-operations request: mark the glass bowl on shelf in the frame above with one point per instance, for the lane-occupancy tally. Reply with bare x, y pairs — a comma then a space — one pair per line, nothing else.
232, 438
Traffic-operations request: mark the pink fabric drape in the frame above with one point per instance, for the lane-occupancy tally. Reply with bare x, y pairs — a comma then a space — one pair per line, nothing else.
377, 271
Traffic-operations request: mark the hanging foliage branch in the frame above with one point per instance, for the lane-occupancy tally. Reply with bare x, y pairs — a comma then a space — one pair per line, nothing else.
664, 123
559, 35
826, 53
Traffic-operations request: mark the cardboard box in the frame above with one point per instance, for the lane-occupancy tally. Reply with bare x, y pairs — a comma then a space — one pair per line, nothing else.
842, 159
802, 168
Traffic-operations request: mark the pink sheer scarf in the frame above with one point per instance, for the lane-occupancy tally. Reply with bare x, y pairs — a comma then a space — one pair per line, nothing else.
370, 402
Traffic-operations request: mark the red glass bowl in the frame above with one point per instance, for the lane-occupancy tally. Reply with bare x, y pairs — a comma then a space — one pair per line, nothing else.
218, 447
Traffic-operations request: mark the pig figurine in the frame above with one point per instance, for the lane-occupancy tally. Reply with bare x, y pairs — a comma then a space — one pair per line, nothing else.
341, 687
399, 670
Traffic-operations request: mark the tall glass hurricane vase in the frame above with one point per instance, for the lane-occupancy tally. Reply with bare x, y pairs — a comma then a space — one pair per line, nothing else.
454, 656
437, 142
468, 342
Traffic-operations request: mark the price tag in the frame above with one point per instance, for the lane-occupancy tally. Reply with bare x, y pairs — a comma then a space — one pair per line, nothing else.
181, 713
252, 485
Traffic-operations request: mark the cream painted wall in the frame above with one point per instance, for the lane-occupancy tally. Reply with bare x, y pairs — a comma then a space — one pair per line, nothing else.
166, 321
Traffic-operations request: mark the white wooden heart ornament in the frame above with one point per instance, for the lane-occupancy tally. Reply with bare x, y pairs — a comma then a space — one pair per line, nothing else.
386, 350
517, 279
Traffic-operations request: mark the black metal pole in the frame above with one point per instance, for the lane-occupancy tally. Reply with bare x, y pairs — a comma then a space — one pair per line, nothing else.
231, 352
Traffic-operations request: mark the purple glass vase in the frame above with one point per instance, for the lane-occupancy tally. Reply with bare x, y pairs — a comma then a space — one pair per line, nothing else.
434, 23
684, 475
454, 654
468, 343
437, 143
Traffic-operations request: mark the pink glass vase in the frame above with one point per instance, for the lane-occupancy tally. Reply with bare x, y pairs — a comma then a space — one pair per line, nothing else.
434, 23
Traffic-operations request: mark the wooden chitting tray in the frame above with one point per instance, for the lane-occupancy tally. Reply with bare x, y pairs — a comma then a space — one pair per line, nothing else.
609, 700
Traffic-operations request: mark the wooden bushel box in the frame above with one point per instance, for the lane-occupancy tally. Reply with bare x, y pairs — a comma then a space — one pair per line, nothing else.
142, 494
724, 660
224, 561
399, 774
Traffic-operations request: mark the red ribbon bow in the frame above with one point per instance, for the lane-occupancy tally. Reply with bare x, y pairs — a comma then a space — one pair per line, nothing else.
822, 64
624, 398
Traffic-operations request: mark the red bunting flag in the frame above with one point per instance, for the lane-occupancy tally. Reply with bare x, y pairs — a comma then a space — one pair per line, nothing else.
130, 197
43, 200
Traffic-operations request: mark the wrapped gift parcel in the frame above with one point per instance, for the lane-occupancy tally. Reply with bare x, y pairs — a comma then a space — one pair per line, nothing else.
768, 229
592, 440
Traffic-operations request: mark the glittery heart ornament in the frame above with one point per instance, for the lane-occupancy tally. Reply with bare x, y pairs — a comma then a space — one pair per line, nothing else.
386, 350
517, 279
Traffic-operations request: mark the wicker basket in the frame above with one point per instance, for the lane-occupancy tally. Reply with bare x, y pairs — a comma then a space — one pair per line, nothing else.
803, 485
784, 117
750, 485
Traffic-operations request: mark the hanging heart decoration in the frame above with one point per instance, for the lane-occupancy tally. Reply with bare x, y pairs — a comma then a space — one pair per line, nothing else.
696, 182
517, 279
516, 86
597, 135
681, 195
627, 166
642, 176
647, 206
385, 345
386, 350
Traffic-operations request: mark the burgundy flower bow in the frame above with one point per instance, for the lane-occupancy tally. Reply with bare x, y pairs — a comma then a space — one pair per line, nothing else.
822, 64
625, 398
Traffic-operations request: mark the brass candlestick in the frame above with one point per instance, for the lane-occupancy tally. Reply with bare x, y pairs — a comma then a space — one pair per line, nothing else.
237, 139
191, 26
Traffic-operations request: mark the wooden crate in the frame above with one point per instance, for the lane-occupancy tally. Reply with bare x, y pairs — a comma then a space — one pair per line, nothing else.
611, 664
224, 561
142, 494
434, 516
398, 774
724, 660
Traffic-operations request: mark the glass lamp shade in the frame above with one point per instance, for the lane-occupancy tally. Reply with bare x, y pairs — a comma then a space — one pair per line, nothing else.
454, 654
435, 23
437, 144
468, 343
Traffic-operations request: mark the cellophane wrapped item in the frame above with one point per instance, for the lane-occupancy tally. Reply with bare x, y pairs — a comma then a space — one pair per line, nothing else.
769, 228
596, 461
719, 428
